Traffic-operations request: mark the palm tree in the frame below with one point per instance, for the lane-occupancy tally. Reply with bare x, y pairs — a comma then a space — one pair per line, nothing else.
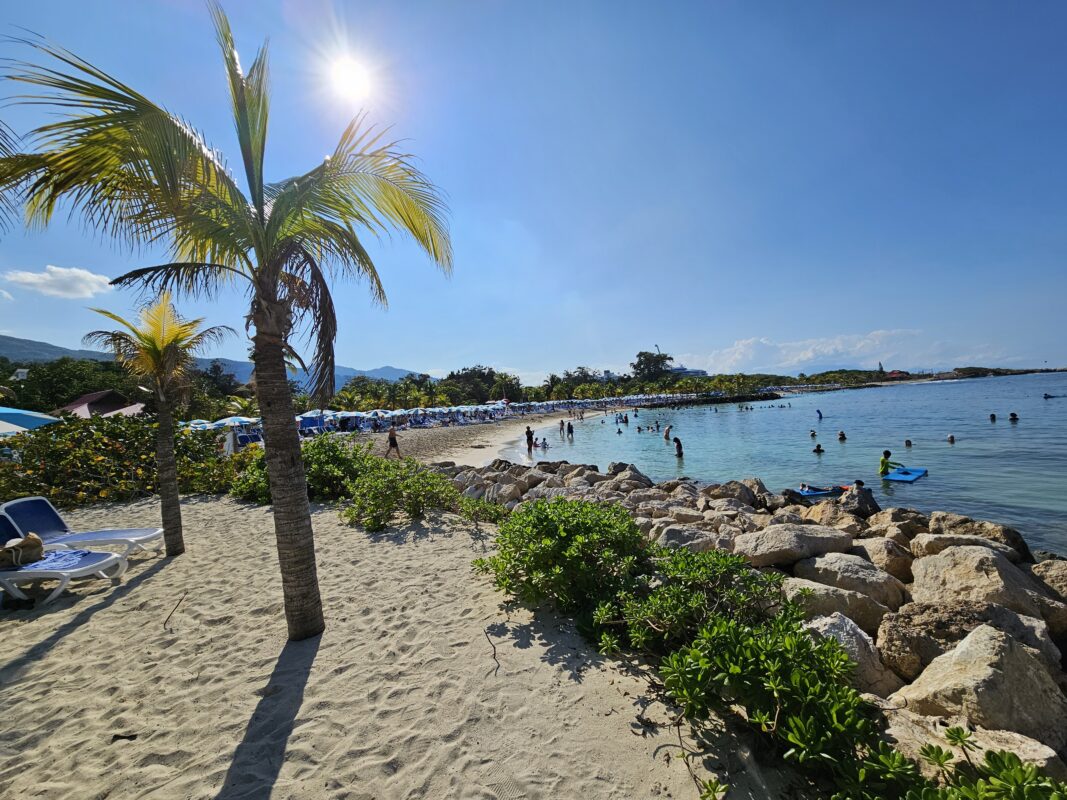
147, 177
242, 406
159, 350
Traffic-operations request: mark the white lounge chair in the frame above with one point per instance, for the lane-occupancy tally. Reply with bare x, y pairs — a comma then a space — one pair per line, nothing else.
38, 515
57, 565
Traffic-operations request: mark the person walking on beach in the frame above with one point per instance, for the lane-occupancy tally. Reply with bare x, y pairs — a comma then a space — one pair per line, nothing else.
885, 466
529, 440
394, 446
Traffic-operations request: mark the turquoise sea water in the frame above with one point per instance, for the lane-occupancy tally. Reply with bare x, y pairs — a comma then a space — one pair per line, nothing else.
1014, 473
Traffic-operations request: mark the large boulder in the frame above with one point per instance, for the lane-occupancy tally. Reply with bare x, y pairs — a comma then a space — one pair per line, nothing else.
684, 514
944, 522
1053, 574
908, 520
731, 490
870, 674
994, 681
886, 554
982, 574
833, 516
790, 517
633, 475
891, 532
910, 638
909, 733
757, 486
787, 544
819, 600
860, 501
681, 537
930, 544
502, 493
846, 571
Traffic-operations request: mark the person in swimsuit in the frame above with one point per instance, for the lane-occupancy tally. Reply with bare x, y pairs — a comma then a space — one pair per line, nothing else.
530, 442
678, 447
841, 436
393, 444
818, 450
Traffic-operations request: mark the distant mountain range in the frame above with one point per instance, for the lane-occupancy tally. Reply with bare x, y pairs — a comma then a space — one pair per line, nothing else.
27, 350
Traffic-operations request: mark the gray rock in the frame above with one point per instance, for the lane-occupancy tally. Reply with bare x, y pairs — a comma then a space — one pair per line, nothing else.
943, 522
859, 501
912, 637
818, 600
993, 681
854, 573
686, 538
787, 544
827, 513
684, 515
870, 674
731, 490
790, 517
908, 520
930, 544
1053, 574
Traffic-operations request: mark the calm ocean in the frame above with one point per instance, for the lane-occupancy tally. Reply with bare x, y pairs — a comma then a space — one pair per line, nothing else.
1014, 473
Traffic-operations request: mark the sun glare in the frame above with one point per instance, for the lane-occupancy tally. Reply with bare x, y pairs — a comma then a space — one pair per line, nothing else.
349, 79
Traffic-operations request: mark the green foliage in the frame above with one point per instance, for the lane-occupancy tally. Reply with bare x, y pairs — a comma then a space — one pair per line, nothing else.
479, 510
571, 553
383, 488
82, 461
251, 483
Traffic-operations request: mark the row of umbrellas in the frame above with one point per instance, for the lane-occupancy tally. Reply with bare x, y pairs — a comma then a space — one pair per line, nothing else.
17, 420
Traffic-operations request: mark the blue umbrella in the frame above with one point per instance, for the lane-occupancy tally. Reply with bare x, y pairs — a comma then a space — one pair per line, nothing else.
25, 419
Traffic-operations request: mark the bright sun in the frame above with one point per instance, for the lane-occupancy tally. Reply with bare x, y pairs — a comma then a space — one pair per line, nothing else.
349, 79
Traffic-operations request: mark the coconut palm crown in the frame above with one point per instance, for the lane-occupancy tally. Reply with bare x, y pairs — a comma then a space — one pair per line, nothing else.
141, 174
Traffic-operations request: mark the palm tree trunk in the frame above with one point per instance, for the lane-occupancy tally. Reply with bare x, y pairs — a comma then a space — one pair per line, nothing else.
288, 483
167, 465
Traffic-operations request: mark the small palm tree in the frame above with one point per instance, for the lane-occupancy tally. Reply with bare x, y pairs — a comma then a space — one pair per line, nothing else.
146, 176
242, 406
159, 350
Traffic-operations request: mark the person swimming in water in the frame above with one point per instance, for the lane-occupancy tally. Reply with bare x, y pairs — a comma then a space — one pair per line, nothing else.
818, 450
841, 436
678, 447
819, 413
907, 442
1013, 417
885, 466
812, 434
618, 431
951, 439
992, 417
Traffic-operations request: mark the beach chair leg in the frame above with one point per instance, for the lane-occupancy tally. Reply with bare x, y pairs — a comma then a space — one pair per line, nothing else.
13, 590
57, 591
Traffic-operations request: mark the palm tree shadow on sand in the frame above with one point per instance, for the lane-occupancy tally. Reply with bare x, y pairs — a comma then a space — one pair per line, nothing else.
259, 755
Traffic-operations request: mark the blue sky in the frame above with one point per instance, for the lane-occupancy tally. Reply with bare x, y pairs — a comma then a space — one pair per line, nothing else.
751, 186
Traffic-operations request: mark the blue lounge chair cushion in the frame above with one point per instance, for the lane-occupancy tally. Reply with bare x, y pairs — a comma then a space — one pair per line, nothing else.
62, 561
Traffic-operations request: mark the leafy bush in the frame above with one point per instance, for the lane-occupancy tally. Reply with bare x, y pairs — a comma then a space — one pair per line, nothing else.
251, 483
381, 488
82, 461
572, 553
479, 510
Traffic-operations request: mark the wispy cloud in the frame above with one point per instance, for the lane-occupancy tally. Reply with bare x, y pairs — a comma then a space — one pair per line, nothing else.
5, 295
73, 283
894, 348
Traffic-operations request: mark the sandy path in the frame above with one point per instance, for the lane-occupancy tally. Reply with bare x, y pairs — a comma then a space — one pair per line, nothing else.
400, 698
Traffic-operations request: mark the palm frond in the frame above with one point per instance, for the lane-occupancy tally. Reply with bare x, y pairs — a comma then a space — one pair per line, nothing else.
197, 280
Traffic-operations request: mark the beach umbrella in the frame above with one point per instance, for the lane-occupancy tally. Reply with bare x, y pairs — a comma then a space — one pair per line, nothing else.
25, 420
233, 422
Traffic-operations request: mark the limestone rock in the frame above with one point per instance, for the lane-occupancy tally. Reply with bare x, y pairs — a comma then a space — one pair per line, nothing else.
909, 732
731, 490
912, 637
1053, 574
854, 573
790, 517
615, 467
943, 522
886, 554
984, 575
817, 600
683, 537
870, 675
891, 532
787, 544
908, 520
633, 475
930, 544
859, 501
993, 681
685, 515
827, 513
502, 493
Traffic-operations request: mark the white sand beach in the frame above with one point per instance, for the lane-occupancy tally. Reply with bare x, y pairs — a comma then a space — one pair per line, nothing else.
401, 697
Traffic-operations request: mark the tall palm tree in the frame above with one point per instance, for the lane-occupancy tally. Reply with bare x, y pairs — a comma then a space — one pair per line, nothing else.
146, 176
159, 350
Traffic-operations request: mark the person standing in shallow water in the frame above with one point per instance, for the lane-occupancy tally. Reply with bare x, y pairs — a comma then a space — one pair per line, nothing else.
561, 429
885, 466
678, 447
570, 431
529, 440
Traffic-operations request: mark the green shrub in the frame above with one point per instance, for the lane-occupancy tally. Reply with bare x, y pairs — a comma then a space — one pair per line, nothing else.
478, 510
572, 553
82, 461
380, 489
251, 483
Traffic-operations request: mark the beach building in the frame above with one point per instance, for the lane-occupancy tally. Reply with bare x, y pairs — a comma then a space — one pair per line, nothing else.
682, 371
